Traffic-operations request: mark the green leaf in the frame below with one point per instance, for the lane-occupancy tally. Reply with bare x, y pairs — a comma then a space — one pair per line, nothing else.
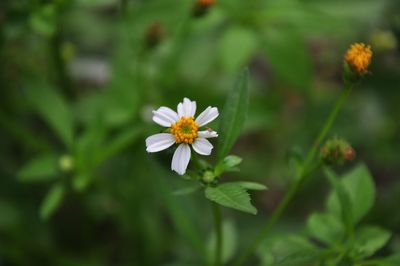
346, 206
81, 181
231, 195
300, 258
43, 21
236, 48
229, 242
54, 110
118, 143
233, 115
393, 260
250, 185
52, 200
368, 240
186, 190
287, 249
287, 53
41, 168
227, 164
359, 185
325, 227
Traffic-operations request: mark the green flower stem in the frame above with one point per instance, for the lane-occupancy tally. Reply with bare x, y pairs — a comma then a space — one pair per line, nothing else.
305, 171
328, 125
218, 233
123, 7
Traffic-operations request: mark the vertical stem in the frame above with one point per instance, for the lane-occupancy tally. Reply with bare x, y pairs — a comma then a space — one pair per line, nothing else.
61, 74
123, 7
218, 233
328, 125
302, 175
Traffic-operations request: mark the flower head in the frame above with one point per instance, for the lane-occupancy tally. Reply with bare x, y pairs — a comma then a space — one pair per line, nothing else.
183, 129
205, 3
337, 151
154, 34
201, 7
358, 57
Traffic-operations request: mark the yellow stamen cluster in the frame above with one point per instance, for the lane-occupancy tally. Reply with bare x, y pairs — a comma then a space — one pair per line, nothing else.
185, 130
359, 57
205, 3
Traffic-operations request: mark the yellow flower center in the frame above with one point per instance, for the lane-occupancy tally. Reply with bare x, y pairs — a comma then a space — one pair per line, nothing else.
185, 130
359, 57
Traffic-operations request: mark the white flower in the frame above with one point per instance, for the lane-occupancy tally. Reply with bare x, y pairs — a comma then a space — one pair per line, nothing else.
184, 130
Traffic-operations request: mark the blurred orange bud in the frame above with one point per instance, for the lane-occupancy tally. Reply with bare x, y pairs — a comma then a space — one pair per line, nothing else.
358, 57
201, 7
155, 33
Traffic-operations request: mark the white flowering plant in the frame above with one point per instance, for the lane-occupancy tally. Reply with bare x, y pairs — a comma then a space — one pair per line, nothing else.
184, 130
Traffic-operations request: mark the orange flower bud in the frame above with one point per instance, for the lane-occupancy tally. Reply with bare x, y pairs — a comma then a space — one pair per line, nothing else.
358, 57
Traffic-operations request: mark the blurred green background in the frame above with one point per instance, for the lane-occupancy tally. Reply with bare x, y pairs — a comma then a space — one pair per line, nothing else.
79, 79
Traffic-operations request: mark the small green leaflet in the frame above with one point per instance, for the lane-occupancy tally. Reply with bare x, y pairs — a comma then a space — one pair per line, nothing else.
359, 185
41, 168
368, 240
52, 201
232, 195
229, 163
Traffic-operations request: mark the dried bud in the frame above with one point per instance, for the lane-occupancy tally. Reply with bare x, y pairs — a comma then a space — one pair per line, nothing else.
155, 33
349, 154
201, 7
357, 59
337, 151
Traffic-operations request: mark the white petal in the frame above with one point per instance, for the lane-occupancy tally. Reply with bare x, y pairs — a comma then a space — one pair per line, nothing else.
181, 159
159, 142
207, 116
202, 146
169, 112
187, 108
207, 134
165, 116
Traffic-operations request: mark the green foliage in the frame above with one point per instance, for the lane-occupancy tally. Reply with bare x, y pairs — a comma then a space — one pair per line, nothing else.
43, 20
237, 45
228, 164
234, 115
52, 200
288, 250
359, 186
287, 53
368, 240
230, 242
231, 195
325, 227
41, 168
79, 80
250, 185
54, 110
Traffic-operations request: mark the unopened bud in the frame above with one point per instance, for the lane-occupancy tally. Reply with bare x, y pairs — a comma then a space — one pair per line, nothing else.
337, 151
349, 154
209, 178
66, 163
356, 61
201, 7
155, 33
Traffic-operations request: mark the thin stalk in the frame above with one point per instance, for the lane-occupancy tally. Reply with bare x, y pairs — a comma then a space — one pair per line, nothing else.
123, 7
299, 181
218, 233
328, 125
